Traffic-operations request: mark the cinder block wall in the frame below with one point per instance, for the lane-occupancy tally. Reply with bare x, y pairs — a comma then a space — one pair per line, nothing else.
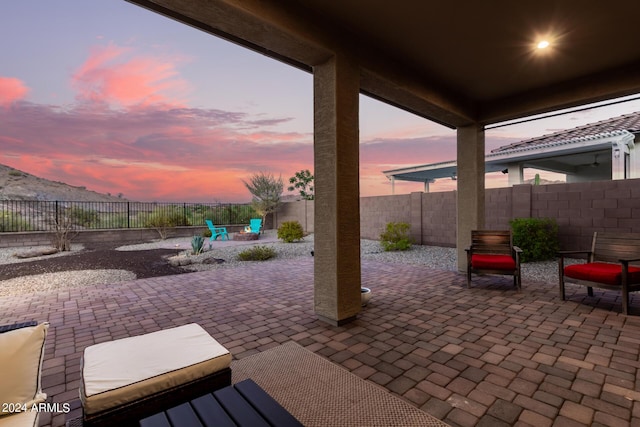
582, 208
579, 208
98, 237
439, 219
498, 208
301, 211
376, 212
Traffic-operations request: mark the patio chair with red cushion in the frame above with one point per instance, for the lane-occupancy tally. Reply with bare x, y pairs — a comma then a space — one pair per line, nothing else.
492, 252
613, 263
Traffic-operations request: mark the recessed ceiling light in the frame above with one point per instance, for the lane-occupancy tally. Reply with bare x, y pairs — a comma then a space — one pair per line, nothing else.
543, 44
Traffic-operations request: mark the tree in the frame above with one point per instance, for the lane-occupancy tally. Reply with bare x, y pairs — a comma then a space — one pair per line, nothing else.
64, 229
266, 191
301, 181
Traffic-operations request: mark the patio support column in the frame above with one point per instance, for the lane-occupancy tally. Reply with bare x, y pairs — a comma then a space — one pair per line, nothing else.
470, 197
336, 85
516, 175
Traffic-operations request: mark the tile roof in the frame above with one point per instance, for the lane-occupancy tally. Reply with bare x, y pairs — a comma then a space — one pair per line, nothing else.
628, 122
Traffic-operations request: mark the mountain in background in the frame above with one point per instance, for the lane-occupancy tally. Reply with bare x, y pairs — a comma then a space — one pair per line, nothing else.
542, 181
18, 185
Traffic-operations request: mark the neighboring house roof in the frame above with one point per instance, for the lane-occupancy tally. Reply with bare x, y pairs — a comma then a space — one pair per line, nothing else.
628, 122
562, 151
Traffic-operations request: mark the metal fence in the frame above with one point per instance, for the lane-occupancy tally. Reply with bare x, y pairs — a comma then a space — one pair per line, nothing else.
26, 215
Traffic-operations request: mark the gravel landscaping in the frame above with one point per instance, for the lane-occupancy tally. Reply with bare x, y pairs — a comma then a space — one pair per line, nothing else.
222, 255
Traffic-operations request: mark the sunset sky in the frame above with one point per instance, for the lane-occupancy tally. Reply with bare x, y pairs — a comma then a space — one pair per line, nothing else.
107, 95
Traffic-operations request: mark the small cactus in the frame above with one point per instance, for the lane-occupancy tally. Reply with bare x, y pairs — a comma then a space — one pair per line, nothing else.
197, 244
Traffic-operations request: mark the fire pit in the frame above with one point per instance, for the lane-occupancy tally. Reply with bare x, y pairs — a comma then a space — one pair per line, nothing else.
245, 236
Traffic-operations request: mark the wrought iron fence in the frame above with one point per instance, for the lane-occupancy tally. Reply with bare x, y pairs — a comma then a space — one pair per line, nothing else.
26, 215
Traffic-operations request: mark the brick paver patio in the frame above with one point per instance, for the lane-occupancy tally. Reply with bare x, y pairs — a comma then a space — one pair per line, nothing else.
486, 356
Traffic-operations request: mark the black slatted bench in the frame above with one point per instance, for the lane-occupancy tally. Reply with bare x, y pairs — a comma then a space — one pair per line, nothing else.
242, 404
14, 326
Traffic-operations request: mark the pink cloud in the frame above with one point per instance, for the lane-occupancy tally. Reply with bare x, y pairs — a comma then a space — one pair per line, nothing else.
116, 75
409, 151
11, 90
186, 154
149, 153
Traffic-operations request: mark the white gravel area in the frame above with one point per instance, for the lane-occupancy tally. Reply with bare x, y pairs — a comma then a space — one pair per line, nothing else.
435, 257
8, 255
61, 280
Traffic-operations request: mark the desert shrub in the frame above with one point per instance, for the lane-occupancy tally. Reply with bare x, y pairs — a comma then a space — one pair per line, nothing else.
164, 218
537, 237
83, 217
290, 231
196, 214
226, 214
64, 230
257, 253
396, 237
241, 214
13, 221
114, 221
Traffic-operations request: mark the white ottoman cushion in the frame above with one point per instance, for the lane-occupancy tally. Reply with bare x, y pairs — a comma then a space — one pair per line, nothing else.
125, 370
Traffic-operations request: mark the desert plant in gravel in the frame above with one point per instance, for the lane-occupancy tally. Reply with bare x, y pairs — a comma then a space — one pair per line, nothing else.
290, 231
396, 237
197, 245
257, 253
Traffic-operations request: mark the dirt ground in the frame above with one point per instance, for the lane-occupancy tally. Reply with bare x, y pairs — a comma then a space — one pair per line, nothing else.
144, 263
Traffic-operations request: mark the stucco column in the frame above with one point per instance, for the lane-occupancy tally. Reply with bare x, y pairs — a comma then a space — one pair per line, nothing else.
470, 202
336, 86
516, 175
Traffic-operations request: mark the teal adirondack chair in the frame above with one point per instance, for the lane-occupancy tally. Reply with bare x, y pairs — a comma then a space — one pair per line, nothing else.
217, 231
255, 224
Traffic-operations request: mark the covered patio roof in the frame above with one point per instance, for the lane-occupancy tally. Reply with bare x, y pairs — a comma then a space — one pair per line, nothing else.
454, 62
459, 63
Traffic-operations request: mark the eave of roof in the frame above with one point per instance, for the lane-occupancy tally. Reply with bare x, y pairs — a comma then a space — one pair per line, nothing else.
585, 138
629, 122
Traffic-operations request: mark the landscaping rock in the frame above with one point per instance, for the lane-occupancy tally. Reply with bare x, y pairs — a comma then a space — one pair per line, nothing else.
179, 260
212, 261
36, 252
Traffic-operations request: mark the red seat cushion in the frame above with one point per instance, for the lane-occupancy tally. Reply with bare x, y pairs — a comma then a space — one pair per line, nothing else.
492, 262
601, 272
